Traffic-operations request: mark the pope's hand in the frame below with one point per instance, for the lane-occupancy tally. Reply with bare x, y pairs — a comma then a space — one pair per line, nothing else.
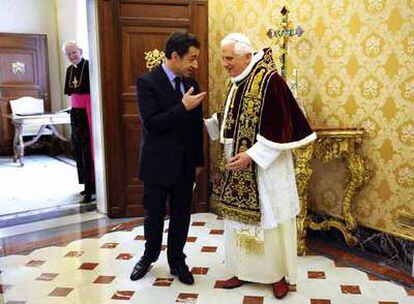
191, 101
239, 162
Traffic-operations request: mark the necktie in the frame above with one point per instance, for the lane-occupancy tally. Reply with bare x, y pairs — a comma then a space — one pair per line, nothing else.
177, 89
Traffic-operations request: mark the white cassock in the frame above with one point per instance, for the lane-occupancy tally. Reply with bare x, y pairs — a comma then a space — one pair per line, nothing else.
279, 205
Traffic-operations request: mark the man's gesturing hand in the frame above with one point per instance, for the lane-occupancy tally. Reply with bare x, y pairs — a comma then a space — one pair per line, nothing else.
191, 101
239, 162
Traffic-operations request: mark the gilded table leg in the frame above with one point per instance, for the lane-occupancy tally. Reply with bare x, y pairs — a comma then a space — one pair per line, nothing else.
359, 176
303, 173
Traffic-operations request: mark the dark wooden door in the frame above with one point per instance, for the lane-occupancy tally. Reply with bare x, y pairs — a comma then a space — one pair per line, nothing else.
127, 30
24, 71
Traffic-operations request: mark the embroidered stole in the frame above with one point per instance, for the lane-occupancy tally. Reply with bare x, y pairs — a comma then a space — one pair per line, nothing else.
235, 193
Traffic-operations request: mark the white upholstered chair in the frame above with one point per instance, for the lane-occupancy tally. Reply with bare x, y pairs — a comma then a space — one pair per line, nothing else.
29, 106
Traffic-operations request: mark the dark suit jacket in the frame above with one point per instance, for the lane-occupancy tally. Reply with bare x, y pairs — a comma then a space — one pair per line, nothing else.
171, 138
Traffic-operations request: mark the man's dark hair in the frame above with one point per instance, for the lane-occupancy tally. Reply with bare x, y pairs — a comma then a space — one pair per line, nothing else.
180, 42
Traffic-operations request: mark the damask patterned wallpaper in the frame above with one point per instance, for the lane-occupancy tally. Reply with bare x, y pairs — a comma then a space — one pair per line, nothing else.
355, 68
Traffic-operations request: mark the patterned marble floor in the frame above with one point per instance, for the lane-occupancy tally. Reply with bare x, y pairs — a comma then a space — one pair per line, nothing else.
96, 271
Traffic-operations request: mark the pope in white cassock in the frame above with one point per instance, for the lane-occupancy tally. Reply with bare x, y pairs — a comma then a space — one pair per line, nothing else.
255, 187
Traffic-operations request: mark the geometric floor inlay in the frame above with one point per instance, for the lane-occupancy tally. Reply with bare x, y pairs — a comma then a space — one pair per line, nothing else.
96, 271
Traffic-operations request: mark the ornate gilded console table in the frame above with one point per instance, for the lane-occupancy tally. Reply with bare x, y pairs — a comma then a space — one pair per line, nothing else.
332, 143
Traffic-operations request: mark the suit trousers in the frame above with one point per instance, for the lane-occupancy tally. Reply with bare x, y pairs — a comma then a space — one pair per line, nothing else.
179, 197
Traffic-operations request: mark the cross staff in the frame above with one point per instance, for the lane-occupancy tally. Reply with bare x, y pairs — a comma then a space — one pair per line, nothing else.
284, 31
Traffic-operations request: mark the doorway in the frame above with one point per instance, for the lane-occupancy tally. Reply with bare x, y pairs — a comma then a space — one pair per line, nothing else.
129, 29
33, 200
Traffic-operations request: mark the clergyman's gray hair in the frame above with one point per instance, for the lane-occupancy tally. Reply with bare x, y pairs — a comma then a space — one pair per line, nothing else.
242, 44
67, 44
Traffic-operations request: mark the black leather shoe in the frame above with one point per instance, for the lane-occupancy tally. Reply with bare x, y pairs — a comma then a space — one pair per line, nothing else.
140, 269
86, 199
183, 274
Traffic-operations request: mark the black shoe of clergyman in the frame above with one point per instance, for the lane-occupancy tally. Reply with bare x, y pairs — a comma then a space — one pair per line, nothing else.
184, 275
140, 269
86, 199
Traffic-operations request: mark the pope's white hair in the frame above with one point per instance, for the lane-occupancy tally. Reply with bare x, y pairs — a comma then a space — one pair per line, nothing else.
69, 43
242, 44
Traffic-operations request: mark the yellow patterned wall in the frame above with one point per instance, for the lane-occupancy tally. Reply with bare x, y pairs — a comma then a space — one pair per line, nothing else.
355, 68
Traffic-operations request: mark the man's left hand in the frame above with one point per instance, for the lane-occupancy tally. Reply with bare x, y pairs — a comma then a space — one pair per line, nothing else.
239, 162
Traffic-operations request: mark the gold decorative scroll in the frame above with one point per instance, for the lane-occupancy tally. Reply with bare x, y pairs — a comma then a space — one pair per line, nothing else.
18, 67
154, 58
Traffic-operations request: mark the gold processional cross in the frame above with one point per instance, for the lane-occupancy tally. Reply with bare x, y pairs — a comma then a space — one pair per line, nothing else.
281, 36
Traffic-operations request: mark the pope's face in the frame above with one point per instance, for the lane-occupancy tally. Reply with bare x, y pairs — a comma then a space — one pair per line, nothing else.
74, 54
233, 63
188, 63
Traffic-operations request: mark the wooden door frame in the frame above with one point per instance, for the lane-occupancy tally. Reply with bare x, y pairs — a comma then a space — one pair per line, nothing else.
111, 84
111, 77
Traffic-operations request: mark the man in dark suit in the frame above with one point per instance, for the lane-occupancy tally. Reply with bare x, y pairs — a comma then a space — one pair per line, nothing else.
170, 109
